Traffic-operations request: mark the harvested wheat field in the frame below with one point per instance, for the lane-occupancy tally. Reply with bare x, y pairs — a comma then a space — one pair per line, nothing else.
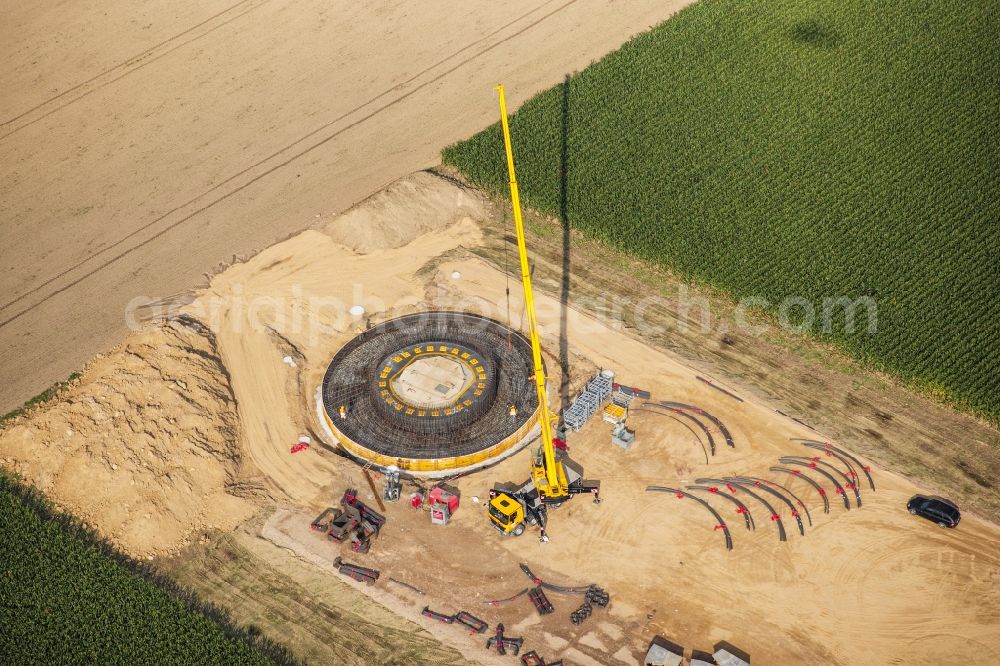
188, 427
143, 146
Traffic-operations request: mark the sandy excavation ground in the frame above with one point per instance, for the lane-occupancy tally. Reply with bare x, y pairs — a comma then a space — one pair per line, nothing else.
145, 446
190, 425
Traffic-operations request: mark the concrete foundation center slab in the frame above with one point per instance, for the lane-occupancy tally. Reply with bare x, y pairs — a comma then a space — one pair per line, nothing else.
434, 381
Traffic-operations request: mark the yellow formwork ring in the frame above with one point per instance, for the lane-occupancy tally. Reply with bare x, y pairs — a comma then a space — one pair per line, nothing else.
433, 464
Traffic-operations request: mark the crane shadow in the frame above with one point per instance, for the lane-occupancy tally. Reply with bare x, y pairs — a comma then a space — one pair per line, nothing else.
816, 32
564, 381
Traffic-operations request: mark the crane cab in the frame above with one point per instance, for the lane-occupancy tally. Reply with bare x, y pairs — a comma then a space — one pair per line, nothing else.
507, 513
512, 508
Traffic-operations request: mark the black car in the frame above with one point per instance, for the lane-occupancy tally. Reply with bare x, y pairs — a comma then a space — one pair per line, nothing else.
938, 509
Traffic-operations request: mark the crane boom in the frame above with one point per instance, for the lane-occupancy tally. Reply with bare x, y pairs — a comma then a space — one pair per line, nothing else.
553, 479
550, 478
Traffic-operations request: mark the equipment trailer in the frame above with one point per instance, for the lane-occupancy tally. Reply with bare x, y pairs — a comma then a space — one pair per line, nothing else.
354, 521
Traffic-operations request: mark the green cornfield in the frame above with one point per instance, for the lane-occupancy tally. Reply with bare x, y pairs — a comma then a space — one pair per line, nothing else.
814, 150
68, 597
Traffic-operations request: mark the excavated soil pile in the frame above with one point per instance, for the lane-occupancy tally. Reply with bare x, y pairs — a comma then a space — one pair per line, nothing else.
143, 446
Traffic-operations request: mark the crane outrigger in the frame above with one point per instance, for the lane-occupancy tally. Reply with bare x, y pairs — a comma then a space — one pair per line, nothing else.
554, 476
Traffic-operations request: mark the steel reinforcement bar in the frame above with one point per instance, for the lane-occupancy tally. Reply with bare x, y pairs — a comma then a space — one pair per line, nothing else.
853, 482
843, 461
733, 486
499, 602
680, 494
360, 406
671, 416
827, 446
741, 508
698, 410
849, 483
798, 474
364, 454
791, 460
757, 484
758, 480
562, 589
689, 416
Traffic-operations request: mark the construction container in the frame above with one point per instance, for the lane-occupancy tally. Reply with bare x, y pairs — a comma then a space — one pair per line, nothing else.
442, 495
614, 414
622, 437
444, 503
603, 384
727, 655
440, 513
662, 652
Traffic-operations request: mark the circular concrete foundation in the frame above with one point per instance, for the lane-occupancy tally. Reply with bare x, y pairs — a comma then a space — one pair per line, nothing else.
431, 393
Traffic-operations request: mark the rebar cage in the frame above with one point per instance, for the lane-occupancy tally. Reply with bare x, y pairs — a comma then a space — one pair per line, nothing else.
486, 415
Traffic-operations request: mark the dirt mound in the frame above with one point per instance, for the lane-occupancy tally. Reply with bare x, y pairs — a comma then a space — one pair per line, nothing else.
143, 446
409, 207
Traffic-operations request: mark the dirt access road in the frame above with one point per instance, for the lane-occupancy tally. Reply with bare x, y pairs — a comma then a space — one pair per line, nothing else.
140, 147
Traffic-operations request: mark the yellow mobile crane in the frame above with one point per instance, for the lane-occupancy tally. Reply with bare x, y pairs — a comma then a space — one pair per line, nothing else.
554, 478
